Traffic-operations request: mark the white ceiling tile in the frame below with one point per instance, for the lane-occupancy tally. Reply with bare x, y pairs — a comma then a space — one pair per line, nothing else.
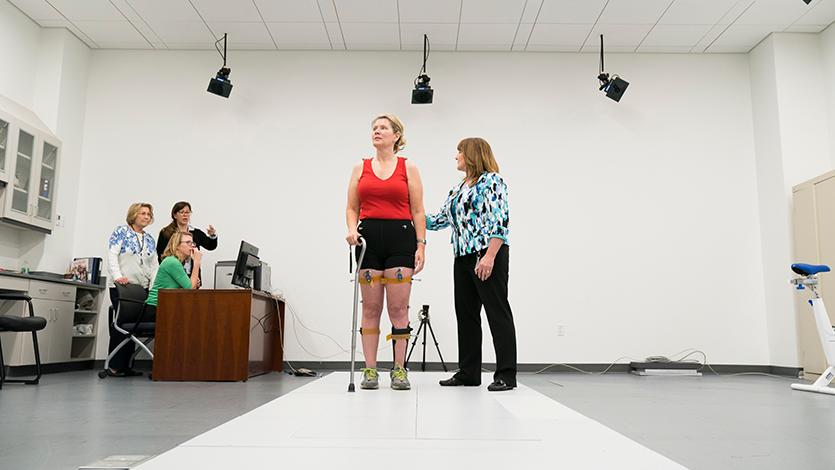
822, 12
664, 49
568, 35
492, 11
633, 11
183, 32
191, 46
328, 11
335, 35
88, 10
773, 12
295, 11
697, 11
570, 11
37, 9
805, 28
676, 35
532, 8
523, 34
300, 35
493, 37
137, 20
366, 11
742, 35
125, 45
164, 10
595, 48
239, 33
224, 10
547, 48
110, 31
62, 23
430, 11
442, 37
619, 34
251, 46
371, 36
729, 49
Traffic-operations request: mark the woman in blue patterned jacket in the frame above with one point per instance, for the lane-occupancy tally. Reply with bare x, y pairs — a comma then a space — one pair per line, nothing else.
131, 259
477, 211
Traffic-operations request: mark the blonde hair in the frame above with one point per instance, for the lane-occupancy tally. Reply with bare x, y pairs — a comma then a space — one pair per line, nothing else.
173, 243
478, 157
396, 126
133, 212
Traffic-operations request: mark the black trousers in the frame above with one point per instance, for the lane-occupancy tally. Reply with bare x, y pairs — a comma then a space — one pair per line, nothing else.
121, 361
471, 294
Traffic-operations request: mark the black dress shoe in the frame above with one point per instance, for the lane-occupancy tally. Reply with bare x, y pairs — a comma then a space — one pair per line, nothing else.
456, 382
500, 386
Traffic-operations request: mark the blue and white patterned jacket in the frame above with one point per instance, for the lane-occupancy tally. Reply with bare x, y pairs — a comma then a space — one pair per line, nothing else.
476, 214
132, 256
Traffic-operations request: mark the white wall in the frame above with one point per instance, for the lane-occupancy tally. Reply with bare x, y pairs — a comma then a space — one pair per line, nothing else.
825, 93
46, 71
635, 225
19, 65
792, 120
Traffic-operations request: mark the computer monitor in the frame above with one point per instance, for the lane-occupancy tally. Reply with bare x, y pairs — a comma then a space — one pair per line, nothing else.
247, 267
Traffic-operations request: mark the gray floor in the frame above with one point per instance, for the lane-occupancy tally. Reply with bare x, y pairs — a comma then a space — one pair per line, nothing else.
739, 422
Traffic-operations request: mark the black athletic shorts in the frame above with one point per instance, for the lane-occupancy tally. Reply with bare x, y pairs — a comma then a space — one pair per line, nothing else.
390, 244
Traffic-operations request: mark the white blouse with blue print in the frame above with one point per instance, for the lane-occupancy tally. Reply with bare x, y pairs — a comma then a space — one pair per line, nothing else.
476, 214
133, 256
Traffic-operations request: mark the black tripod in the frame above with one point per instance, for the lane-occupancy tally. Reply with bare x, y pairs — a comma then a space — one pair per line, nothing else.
425, 325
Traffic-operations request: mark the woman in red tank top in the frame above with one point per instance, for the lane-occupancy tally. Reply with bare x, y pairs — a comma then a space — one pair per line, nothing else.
385, 207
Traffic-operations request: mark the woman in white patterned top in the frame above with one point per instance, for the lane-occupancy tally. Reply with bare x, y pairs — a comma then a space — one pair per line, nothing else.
131, 259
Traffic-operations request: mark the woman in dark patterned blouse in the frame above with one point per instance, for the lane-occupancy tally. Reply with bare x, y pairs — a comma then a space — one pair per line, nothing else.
477, 211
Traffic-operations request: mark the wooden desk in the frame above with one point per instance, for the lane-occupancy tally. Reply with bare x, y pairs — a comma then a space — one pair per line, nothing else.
223, 334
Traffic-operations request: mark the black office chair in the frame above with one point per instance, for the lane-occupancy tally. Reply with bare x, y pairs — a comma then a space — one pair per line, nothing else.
11, 323
131, 319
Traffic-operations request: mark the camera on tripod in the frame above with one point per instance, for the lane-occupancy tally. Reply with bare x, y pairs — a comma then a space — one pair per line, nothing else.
424, 313
425, 324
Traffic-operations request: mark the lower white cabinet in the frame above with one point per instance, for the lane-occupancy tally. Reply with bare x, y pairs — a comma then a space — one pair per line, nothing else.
57, 303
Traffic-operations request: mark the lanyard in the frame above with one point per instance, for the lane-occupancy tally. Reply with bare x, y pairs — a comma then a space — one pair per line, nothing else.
141, 242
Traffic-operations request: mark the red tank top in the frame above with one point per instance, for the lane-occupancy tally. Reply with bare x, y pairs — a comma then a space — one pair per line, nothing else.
384, 199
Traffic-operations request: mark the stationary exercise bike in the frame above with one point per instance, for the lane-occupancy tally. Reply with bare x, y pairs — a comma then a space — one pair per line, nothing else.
809, 278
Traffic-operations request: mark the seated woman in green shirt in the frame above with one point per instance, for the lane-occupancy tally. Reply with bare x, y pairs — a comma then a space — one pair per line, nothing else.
171, 273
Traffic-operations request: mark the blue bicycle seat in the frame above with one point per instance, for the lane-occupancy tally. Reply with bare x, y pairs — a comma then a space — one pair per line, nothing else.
809, 269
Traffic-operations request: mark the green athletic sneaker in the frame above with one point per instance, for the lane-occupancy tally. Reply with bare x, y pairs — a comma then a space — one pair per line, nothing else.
370, 379
399, 379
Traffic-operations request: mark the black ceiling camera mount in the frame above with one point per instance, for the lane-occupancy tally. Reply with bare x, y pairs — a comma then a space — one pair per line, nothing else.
221, 85
422, 94
613, 86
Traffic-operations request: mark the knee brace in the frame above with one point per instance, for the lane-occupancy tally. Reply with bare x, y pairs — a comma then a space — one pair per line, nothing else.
369, 331
367, 278
399, 333
398, 278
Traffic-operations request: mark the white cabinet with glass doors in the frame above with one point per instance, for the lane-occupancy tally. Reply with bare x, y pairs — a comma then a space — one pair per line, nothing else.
29, 159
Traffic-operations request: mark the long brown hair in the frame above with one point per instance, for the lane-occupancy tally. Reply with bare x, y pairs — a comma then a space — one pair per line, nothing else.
478, 157
169, 229
173, 243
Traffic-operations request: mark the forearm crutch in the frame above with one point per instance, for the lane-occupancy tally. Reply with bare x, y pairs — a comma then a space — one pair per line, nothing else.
363, 244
